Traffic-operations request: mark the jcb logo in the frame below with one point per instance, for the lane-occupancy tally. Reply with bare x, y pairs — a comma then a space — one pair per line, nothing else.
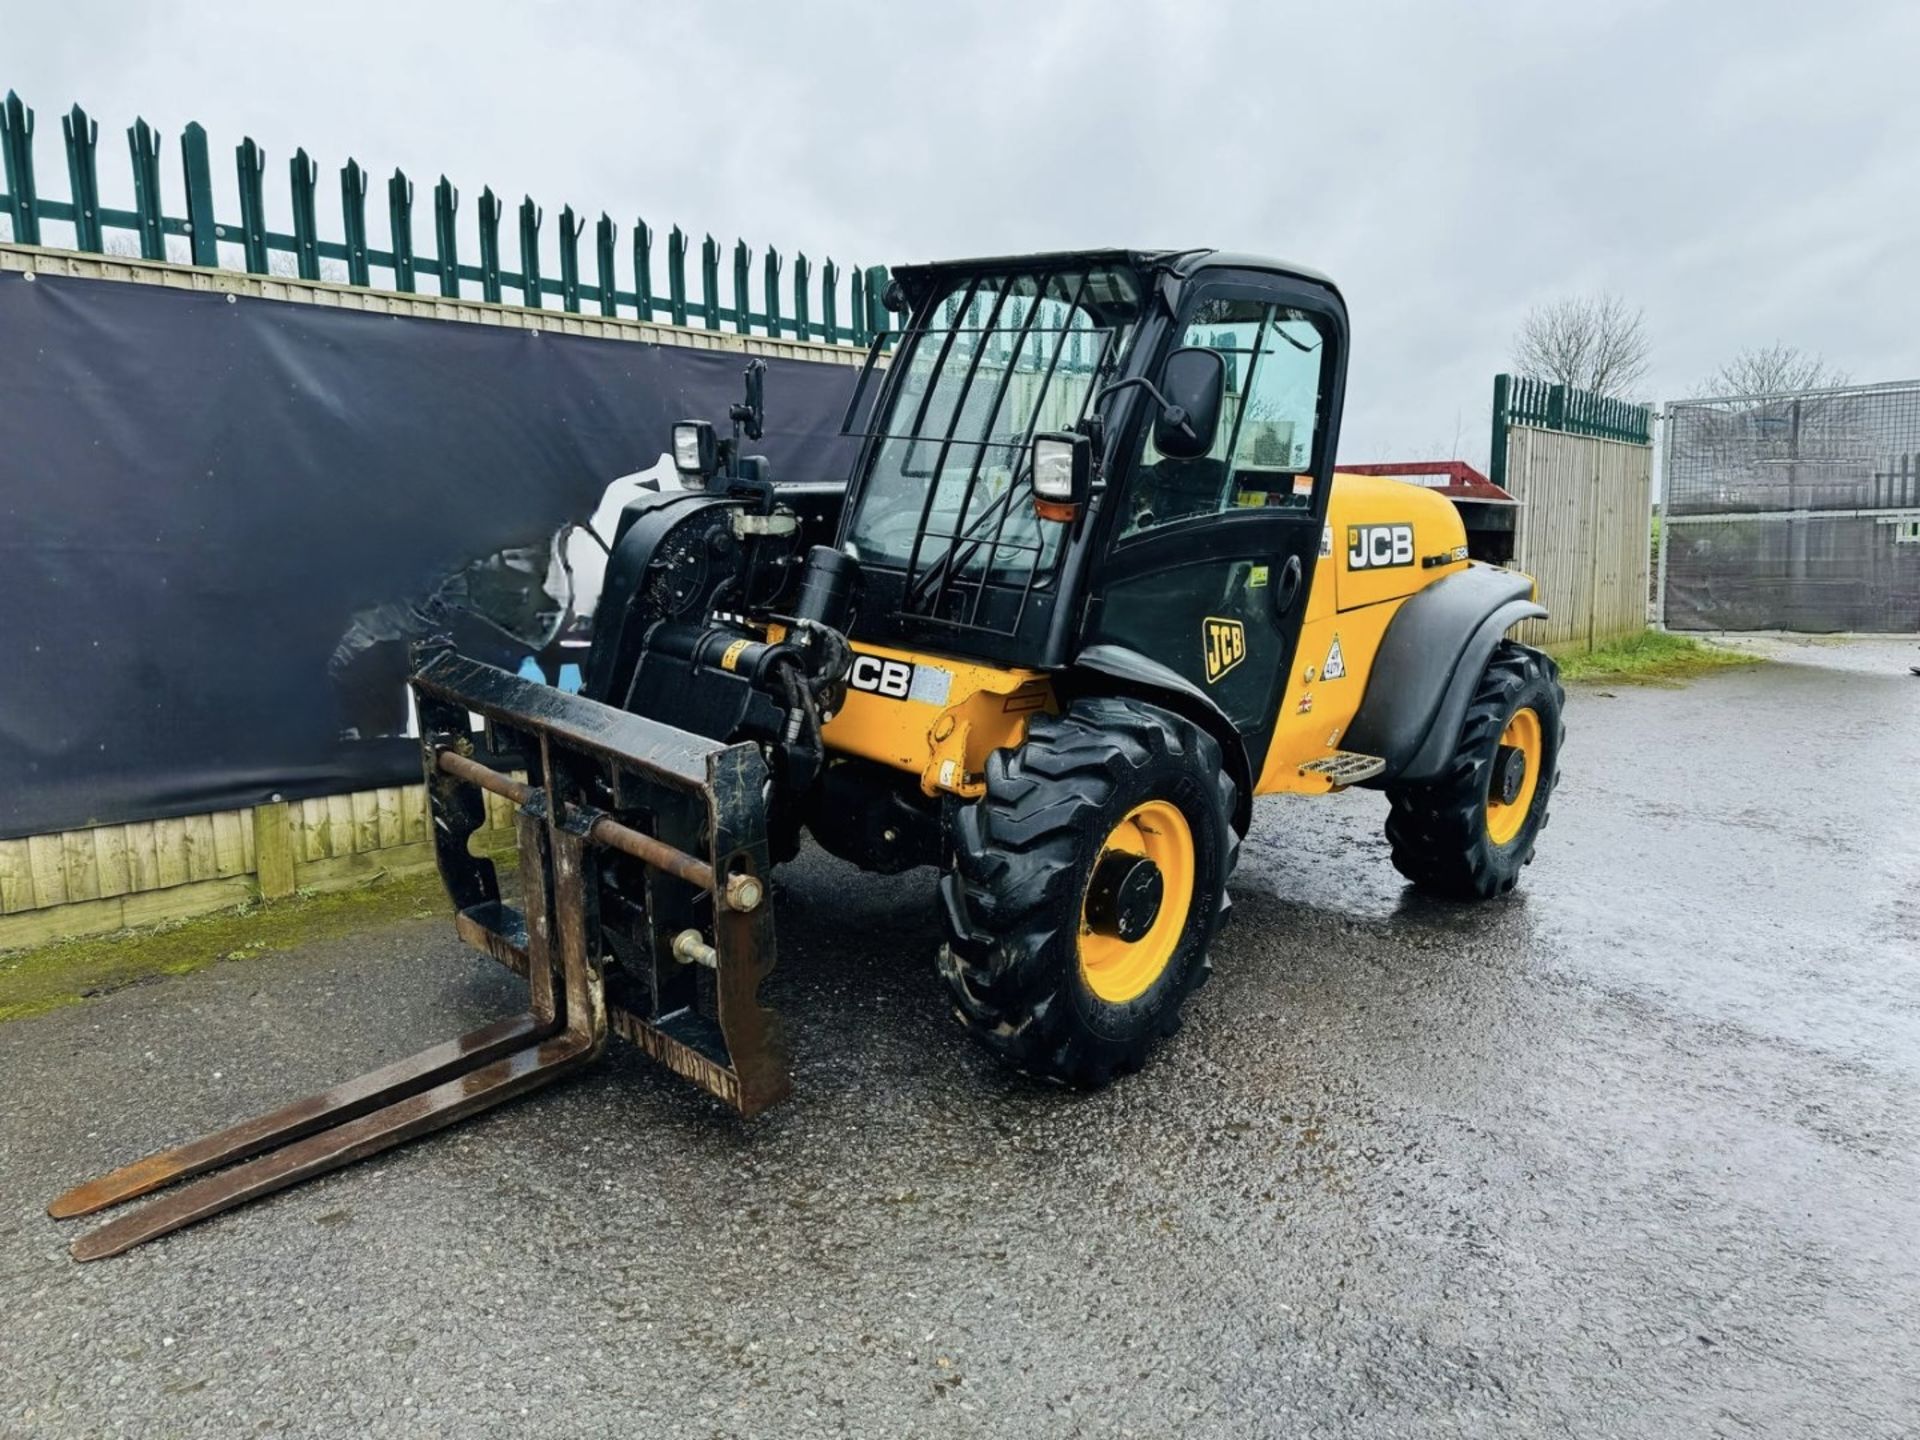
1379, 547
891, 678
1225, 643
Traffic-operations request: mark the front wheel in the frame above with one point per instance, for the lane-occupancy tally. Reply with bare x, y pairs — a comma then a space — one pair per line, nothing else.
1466, 833
1087, 884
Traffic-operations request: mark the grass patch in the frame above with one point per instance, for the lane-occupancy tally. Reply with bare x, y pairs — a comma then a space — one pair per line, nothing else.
1653, 657
65, 972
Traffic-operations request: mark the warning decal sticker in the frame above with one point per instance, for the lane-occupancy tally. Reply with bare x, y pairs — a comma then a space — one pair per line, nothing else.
1336, 666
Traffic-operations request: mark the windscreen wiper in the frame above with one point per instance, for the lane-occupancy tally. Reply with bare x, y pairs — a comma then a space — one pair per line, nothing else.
936, 573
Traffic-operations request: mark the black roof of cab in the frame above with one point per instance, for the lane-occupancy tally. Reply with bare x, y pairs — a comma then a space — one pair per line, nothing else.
917, 278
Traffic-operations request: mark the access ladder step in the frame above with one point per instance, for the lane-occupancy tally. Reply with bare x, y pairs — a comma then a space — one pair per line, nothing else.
1344, 767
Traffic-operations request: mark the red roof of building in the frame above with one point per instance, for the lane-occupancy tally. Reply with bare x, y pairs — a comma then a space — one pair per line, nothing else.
1455, 479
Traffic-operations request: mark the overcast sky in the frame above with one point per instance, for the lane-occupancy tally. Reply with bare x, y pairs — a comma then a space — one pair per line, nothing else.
1747, 172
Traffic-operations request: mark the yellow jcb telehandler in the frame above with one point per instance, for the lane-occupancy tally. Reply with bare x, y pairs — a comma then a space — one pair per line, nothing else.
1092, 586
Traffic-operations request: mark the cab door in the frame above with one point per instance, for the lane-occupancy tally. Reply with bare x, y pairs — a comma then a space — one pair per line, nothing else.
1209, 561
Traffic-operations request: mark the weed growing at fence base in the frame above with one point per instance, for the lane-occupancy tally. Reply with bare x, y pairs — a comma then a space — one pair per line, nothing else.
68, 971
1653, 657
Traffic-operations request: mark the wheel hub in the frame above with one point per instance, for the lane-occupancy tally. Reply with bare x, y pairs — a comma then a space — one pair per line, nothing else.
1124, 897
1514, 776
1139, 894
1509, 773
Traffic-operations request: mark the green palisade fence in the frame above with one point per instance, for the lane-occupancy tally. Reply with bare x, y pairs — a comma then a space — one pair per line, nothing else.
1522, 400
807, 307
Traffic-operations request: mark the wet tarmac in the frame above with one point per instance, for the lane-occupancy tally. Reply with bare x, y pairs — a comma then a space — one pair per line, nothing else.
1632, 1153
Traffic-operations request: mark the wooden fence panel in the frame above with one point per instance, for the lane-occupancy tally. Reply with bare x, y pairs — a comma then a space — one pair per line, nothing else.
413, 815
229, 842
387, 808
16, 877
110, 855
143, 857
110, 877
202, 857
1582, 532
80, 865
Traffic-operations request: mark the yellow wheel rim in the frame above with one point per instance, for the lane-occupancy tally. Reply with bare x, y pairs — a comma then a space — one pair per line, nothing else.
1523, 733
1118, 970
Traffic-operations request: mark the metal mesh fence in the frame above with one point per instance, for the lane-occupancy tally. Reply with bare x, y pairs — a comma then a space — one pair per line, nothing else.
1793, 512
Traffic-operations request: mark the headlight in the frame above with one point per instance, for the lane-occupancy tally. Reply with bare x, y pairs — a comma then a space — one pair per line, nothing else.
693, 448
1053, 461
1061, 463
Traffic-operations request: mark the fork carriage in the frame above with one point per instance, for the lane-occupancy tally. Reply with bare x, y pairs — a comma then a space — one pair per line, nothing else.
614, 806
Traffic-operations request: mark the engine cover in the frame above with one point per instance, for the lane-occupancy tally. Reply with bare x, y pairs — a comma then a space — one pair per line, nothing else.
674, 562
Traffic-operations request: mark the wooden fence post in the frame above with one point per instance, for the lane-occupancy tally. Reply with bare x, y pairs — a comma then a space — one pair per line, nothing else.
273, 849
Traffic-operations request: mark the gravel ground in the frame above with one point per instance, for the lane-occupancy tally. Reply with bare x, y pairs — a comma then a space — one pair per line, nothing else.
1631, 1153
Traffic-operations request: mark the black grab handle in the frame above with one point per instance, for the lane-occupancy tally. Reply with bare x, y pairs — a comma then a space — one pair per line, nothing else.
1288, 590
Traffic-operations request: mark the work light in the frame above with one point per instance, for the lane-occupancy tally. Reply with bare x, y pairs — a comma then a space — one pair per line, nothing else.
1062, 470
695, 452
1053, 468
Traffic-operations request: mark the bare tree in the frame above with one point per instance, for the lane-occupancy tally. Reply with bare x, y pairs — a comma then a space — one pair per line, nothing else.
1591, 342
1775, 369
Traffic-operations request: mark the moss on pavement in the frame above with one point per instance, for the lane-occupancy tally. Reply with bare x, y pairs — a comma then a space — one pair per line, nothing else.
1653, 657
62, 973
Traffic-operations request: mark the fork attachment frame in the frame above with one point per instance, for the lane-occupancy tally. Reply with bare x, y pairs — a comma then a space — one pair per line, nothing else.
643, 871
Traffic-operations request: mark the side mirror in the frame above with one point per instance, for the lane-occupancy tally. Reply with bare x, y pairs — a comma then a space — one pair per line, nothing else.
1194, 385
1062, 474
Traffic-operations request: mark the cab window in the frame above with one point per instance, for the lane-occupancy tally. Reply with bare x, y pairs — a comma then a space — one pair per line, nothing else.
1263, 453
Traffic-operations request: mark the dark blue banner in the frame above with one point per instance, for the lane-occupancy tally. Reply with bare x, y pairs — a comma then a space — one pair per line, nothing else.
222, 519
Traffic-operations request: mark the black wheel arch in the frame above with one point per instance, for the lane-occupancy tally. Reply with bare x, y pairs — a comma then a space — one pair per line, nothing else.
1121, 671
1429, 662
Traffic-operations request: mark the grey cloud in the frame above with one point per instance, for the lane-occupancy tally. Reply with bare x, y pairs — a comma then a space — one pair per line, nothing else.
1747, 172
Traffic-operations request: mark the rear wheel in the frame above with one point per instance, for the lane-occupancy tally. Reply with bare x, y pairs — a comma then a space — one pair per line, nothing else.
1466, 833
1086, 887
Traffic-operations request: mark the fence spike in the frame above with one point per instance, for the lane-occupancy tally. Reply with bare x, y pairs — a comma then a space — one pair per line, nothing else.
530, 217
83, 177
203, 235
1497, 451
771, 270
446, 245
144, 145
250, 166
570, 227
16, 145
742, 282
490, 211
305, 177
400, 227
604, 237
830, 302
800, 318
710, 283
677, 276
643, 269
353, 216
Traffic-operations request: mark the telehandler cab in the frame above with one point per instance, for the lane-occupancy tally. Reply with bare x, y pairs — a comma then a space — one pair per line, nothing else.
1092, 586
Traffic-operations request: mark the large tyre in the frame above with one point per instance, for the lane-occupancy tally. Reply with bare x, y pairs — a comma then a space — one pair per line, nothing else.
1466, 833
1067, 956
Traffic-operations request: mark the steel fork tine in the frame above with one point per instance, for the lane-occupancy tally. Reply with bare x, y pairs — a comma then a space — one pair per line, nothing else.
331, 1107
330, 1149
